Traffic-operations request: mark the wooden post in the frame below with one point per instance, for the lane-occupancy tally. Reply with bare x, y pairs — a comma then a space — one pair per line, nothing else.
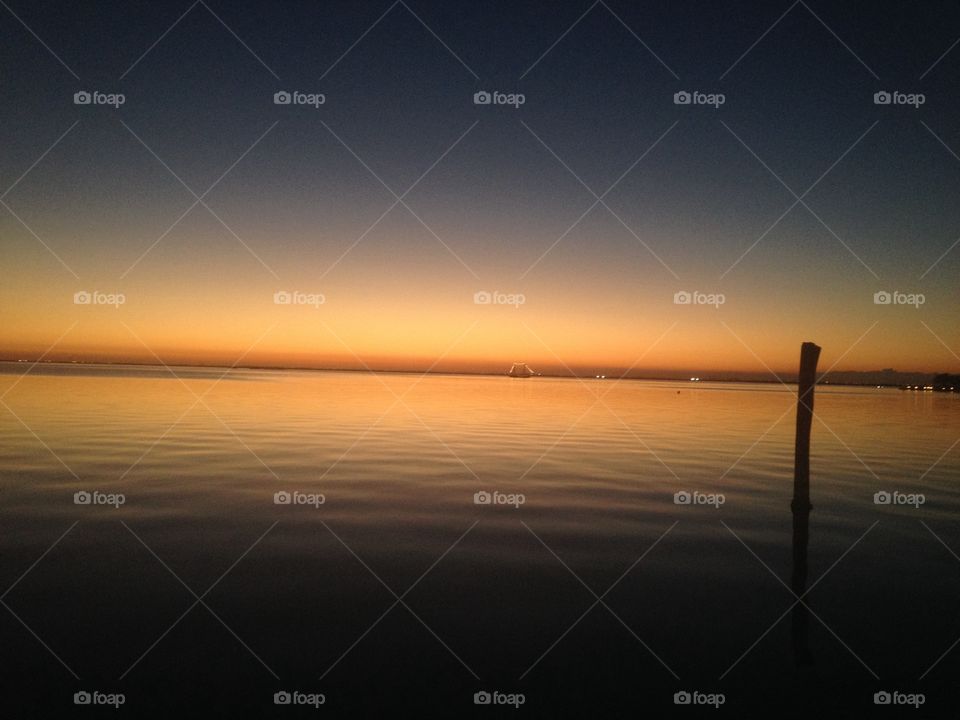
807, 380
809, 355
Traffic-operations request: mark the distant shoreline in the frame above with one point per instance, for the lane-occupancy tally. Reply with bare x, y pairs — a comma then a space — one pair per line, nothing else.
682, 378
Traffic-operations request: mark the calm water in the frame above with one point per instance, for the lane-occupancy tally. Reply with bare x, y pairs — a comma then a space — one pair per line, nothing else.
499, 592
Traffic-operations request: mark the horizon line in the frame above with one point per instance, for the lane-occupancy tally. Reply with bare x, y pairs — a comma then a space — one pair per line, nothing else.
724, 376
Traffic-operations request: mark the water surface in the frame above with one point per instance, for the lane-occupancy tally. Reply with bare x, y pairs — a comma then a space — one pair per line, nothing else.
499, 592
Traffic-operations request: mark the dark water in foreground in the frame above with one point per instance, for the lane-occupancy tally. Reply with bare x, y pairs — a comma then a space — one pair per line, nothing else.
400, 592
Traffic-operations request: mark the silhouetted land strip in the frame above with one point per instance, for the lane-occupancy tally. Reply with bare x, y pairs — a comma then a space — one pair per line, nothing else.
942, 382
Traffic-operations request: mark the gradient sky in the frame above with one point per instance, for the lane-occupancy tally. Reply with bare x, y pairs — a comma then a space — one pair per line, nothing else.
298, 203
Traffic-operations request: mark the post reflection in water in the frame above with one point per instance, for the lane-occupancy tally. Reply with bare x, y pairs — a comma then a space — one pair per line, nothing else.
800, 620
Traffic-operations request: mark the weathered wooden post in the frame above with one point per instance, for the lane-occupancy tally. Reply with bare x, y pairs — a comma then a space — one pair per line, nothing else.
807, 380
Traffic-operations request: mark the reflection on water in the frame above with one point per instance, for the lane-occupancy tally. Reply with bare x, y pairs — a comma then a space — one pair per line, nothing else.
398, 459
798, 581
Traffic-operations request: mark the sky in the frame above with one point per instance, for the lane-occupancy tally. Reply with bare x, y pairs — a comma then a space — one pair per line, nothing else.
392, 212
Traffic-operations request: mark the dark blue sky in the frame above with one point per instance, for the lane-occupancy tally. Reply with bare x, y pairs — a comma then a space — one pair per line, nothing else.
599, 81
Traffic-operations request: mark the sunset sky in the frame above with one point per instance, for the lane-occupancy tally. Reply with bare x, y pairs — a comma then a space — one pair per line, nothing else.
501, 198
